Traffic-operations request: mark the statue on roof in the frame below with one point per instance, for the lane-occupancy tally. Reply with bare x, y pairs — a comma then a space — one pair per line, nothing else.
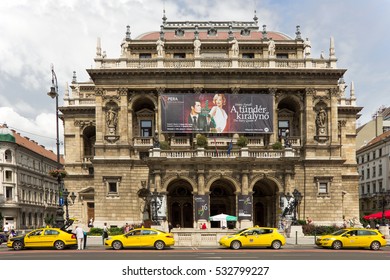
160, 47
197, 45
271, 47
235, 47
307, 47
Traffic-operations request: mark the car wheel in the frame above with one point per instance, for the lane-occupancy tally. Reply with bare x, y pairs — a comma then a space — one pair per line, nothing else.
159, 245
337, 245
276, 244
17, 245
375, 245
59, 245
117, 245
235, 245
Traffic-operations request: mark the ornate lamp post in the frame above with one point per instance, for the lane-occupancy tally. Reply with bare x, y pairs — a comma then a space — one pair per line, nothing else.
152, 202
286, 139
65, 196
53, 93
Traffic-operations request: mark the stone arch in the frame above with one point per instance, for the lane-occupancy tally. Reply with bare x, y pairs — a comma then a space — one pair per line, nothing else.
265, 195
222, 191
168, 180
89, 139
289, 116
233, 181
180, 202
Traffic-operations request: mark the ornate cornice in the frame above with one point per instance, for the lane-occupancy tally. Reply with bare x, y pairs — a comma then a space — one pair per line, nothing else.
84, 123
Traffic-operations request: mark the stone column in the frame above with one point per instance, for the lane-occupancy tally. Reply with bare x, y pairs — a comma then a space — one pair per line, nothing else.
244, 182
201, 187
332, 122
310, 116
123, 124
99, 115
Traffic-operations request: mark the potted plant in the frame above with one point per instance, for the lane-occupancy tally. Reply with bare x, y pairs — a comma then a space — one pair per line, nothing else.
277, 145
242, 141
58, 172
201, 141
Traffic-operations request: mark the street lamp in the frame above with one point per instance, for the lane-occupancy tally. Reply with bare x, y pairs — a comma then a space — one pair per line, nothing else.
152, 202
53, 93
65, 195
286, 139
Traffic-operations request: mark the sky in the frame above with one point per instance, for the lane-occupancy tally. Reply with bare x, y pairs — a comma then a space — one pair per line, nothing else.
37, 34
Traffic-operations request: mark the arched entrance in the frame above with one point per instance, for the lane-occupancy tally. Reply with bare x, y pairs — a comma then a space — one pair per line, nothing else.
265, 203
180, 204
222, 199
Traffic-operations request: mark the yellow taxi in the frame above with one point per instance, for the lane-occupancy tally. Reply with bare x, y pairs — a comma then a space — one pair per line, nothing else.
141, 237
254, 237
353, 238
58, 238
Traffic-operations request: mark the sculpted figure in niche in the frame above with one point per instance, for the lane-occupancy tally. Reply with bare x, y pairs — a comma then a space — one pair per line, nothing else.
111, 119
321, 121
307, 46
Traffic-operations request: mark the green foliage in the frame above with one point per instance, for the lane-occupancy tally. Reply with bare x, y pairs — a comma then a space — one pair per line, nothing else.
277, 145
310, 229
111, 231
49, 220
164, 145
201, 141
242, 141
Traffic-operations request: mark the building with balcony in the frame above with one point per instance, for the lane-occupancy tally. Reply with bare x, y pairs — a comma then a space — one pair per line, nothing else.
28, 194
131, 145
374, 165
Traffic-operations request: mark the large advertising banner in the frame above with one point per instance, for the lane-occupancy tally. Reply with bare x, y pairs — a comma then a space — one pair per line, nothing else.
201, 207
217, 113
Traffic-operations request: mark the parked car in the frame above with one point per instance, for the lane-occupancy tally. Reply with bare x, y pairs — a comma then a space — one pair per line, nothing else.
353, 238
58, 238
254, 237
3, 238
141, 237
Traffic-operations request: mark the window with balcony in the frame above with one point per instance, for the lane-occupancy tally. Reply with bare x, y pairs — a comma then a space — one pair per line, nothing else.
248, 55
282, 55
146, 128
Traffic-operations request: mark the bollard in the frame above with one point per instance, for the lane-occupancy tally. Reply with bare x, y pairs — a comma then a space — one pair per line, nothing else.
296, 237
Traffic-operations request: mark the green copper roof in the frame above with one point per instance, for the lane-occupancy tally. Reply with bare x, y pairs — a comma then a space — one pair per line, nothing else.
6, 135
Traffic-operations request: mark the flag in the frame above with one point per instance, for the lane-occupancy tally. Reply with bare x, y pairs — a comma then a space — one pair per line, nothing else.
230, 147
216, 149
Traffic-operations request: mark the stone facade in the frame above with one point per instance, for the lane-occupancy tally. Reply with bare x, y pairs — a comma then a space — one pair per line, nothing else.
122, 164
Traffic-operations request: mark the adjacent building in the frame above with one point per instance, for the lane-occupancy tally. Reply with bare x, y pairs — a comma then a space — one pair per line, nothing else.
29, 196
275, 119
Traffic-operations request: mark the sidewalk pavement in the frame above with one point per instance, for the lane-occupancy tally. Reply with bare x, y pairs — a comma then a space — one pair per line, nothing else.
96, 241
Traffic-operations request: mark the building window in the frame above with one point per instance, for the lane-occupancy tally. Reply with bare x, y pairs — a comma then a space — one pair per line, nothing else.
362, 175
380, 152
323, 185
380, 170
179, 55
368, 173
8, 176
8, 156
374, 190
145, 55
283, 125
368, 188
248, 55
282, 55
146, 128
373, 172
362, 189
8, 193
112, 185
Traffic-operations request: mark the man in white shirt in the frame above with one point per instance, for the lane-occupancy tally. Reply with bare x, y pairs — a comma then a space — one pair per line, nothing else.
80, 237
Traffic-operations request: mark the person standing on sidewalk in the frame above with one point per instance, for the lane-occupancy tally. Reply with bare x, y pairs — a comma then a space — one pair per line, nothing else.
105, 232
80, 238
